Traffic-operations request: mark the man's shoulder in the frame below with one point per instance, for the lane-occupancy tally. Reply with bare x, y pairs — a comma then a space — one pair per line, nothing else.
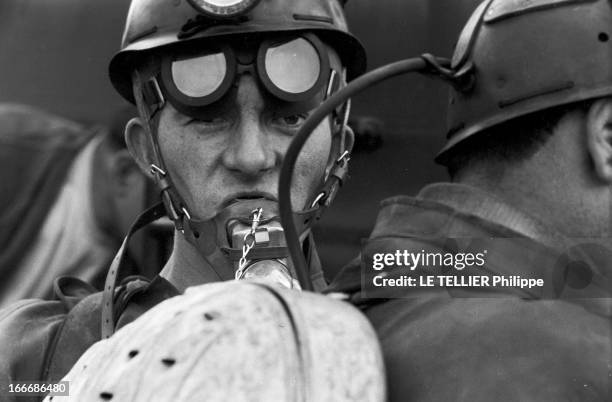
25, 320
41, 340
493, 349
27, 331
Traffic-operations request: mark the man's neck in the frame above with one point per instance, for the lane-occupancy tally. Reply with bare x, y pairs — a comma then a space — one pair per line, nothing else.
555, 184
555, 201
186, 267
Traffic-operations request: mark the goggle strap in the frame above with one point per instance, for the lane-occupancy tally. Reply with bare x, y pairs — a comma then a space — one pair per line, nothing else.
333, 84
334, 181
339, 170
151, 89
345, 126
152, 95
332, 87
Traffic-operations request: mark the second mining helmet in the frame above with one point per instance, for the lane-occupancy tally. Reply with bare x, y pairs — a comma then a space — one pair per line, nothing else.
527, 56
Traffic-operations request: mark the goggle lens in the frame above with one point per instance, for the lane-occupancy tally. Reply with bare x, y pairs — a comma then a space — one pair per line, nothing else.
200, 76
294, 67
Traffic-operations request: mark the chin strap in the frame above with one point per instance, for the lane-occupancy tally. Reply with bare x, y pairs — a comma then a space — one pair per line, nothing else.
150, 101
203, 236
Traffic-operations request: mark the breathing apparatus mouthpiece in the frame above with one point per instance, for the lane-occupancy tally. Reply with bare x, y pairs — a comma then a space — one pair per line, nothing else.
245, 240
260, 239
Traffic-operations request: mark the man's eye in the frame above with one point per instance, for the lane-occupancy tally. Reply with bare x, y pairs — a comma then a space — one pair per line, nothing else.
293, 120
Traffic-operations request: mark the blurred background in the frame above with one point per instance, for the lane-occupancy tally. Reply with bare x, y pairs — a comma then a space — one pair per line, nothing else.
54, 55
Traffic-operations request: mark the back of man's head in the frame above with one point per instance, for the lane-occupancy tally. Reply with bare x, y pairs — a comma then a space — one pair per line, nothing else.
508, 145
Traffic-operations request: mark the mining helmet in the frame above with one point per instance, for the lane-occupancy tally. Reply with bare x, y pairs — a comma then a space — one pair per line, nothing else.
160, 24
527, 56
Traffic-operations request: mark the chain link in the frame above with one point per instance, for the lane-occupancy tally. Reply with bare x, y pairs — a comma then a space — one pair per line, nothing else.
249, 241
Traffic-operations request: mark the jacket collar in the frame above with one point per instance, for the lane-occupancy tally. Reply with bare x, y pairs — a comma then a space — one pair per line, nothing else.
474, 202
457, 210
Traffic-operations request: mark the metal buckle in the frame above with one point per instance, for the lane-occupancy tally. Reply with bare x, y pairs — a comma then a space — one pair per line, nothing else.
320, 197
345, 157
157, 170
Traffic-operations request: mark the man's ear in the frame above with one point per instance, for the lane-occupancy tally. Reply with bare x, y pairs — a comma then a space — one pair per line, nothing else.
139, 144
599, 138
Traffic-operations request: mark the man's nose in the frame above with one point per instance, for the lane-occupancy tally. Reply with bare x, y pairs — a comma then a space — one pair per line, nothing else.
250, 149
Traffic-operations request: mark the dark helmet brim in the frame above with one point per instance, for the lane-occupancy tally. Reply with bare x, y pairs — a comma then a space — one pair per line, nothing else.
121, 67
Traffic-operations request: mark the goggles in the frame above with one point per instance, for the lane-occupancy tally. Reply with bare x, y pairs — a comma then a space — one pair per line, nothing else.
294, 70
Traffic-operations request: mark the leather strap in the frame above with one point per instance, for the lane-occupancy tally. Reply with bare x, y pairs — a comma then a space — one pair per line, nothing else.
108, 308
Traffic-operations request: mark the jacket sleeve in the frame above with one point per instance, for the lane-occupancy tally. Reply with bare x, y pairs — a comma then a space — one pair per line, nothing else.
493, 350
28, 331
42, 340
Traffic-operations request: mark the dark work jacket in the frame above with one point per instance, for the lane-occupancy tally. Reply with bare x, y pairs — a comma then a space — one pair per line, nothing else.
487, 344
42, 340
